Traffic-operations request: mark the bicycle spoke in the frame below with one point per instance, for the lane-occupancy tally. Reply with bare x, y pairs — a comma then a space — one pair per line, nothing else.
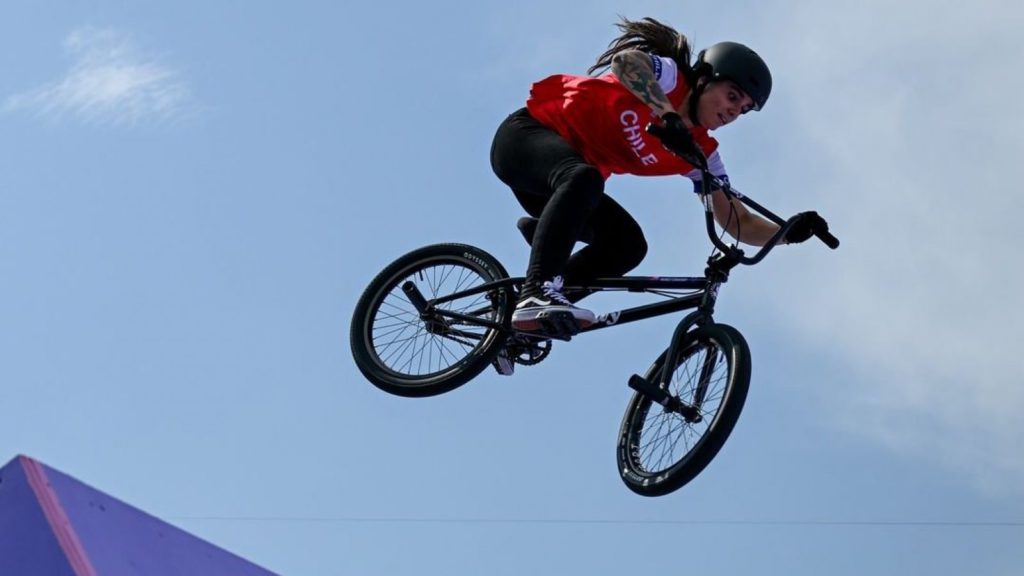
407, 343
666, 437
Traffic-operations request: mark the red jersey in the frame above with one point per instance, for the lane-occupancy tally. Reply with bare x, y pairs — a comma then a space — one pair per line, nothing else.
606, 122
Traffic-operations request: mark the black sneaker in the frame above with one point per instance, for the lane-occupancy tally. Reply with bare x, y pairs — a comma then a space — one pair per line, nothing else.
534, 311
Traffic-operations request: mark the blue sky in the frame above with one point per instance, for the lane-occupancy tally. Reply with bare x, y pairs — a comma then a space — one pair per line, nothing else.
193, 195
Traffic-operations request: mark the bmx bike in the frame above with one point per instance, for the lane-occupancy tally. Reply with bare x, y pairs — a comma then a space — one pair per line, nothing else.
438, 316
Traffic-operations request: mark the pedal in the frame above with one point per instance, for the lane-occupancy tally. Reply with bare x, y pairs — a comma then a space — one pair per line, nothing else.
503, 363
559, 325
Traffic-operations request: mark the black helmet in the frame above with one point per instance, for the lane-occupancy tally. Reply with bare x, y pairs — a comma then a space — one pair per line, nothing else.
736, 62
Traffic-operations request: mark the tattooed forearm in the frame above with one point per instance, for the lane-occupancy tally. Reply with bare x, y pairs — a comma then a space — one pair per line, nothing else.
633, 69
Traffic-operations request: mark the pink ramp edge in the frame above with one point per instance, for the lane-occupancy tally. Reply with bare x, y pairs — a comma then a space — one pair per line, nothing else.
57, 518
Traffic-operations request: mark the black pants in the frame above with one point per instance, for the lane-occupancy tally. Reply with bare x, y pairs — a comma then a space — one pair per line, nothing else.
554, 183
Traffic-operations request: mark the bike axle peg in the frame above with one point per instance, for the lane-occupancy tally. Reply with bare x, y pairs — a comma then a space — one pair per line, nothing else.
415, 296
666, 400
650, 391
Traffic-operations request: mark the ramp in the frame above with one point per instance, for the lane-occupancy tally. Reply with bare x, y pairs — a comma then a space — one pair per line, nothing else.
54, 525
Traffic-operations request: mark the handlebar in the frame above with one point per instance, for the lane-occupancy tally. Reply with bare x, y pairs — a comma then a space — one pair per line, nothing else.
710, 182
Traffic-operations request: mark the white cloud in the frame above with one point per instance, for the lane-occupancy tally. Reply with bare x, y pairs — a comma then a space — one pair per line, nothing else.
910, 106
110, 82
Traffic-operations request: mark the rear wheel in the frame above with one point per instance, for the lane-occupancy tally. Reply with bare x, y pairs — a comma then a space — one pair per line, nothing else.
407, 352
660, 449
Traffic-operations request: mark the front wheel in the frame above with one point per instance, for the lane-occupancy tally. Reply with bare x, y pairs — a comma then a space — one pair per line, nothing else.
661, 449
424, 326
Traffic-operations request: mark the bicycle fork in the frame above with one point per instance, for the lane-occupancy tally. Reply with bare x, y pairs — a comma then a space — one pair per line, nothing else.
659, 391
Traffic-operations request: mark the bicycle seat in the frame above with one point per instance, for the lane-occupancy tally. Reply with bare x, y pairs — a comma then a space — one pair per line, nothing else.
528, 227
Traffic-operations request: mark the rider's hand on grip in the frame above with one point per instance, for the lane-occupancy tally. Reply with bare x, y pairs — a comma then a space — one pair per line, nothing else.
807, 224
676, 137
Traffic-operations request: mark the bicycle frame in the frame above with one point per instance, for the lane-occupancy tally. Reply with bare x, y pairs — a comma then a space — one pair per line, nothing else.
703, 298
702, 301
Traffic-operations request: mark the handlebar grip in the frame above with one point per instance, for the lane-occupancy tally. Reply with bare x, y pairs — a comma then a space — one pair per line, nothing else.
694, 156
829, 240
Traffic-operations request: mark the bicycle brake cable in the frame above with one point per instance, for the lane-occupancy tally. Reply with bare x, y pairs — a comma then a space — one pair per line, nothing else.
732, 213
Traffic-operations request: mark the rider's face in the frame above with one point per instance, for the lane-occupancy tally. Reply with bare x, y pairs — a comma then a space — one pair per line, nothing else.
721, 103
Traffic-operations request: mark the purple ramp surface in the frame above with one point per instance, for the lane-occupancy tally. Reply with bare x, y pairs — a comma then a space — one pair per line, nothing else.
103, 536
28, 544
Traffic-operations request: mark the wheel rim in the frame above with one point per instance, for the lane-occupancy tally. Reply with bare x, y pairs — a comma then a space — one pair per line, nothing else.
403, 344
662, 439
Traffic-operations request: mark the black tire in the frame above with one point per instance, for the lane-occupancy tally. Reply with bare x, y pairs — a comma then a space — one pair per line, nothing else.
659, 451
396, 349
